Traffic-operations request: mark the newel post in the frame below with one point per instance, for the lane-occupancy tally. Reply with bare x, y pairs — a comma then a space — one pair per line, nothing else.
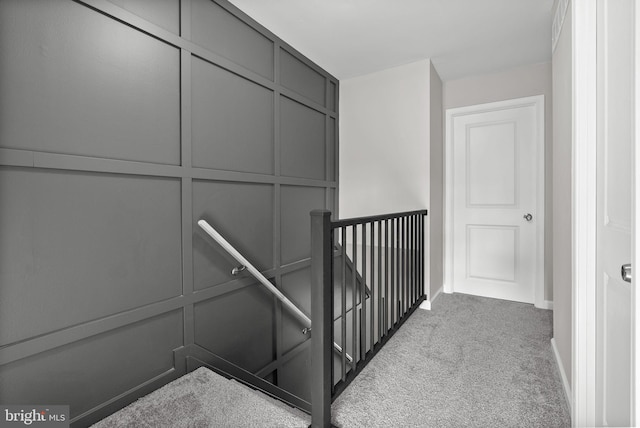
321, 323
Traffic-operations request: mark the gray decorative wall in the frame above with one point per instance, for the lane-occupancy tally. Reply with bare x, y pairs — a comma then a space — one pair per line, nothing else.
122, 123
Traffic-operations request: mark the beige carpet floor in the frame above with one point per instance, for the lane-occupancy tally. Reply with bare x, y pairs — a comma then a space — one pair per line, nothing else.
470, 362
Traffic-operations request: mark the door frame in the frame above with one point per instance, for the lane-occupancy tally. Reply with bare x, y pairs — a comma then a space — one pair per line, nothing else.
584, 244
537, 102
583, 215
635, 250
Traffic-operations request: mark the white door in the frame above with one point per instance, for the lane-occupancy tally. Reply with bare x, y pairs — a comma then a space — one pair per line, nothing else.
496, 212
615, 141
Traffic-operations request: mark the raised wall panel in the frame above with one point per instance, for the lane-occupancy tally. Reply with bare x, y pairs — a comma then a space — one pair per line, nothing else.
119, 130
238, 326
296, 204
299, 77
332, 97
302, 140
297, 287
295, 375
74, 81
490, 181
337, 282
333, 204
214, 28
243, 214
164, 13
332, 138
492, 252
89, 372
78, 246
271, 377
232, 121
347, 344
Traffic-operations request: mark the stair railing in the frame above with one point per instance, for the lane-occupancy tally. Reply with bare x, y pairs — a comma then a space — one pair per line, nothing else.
389, 253
245, 264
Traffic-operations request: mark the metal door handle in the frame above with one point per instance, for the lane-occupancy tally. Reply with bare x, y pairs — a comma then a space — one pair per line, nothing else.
528, 217
626, 272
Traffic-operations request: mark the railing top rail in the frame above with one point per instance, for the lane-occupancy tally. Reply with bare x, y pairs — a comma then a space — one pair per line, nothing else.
359, 220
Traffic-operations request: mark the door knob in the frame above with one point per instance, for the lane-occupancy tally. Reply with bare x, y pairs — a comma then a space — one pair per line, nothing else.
528, 217
626, 272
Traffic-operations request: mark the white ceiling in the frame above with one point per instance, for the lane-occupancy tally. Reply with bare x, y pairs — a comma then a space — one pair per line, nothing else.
350, 38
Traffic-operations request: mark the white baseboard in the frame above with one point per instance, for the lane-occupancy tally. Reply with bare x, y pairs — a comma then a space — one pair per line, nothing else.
563, 375
546, 304
427, 303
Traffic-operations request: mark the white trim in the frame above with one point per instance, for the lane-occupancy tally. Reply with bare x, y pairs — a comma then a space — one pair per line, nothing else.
635, 247
427, 304
584, 90
563, 374
546, 304
451, 114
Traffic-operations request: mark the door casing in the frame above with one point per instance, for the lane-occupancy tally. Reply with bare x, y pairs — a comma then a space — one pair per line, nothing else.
538, 103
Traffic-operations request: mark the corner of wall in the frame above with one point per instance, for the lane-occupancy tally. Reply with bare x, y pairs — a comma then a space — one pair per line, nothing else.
436, 184
562, 96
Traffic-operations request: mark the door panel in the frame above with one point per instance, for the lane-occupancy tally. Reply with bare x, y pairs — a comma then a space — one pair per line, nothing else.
492, 253
616, 316
491, 164
614, 217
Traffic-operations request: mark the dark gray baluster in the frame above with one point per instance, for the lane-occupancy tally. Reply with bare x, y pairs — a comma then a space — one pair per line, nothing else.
343, 331
363, 295
354, 296
372, 294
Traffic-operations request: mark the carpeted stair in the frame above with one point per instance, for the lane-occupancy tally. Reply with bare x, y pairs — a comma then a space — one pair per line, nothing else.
203, 398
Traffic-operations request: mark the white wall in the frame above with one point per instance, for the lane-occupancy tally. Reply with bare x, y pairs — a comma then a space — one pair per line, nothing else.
436, 211
384, 141
516, 83
562, 238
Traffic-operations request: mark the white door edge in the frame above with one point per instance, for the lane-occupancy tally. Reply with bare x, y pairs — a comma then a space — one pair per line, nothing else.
538, 102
